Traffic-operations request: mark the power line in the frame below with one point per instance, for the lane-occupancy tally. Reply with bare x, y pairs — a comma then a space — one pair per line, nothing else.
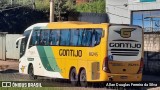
117, 6
13, 8
10, 8
118, 15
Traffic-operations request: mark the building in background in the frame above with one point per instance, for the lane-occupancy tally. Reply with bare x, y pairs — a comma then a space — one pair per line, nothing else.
8, 50
145, 13
117, 11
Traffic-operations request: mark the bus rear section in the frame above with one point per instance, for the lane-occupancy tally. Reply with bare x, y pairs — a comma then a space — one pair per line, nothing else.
124, 61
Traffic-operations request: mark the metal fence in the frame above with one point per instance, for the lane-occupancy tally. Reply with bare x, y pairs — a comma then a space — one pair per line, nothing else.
152, 52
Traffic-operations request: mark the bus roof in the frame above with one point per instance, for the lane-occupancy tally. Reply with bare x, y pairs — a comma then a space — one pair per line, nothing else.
66, 24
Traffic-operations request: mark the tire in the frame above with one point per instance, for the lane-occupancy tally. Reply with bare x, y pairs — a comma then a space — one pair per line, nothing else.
31, 73
83, 78
73, 77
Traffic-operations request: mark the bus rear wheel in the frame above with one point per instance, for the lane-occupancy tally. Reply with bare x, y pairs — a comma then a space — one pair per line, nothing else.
31, 73
73, 77
83, 78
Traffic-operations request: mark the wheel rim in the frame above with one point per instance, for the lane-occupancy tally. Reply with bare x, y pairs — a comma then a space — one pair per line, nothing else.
31, 71
73, 76
83, 78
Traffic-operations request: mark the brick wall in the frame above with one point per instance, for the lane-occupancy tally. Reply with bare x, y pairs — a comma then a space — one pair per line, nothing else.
81, 1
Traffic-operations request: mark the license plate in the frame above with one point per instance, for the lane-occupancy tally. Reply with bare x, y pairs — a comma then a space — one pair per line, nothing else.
123, 77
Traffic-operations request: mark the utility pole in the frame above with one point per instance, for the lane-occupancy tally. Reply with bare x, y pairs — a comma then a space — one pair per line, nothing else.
11, 2
51, 10
33, 4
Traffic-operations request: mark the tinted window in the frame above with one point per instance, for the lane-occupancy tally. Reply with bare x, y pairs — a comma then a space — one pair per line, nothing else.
24, 42
54, 37
80, 34
86, 37
98, 35
64, 37
26, 34
74, 37
35, 38
44, 40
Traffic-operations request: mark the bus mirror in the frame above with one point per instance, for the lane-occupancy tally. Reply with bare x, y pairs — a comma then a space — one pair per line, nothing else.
18, 40
17, 44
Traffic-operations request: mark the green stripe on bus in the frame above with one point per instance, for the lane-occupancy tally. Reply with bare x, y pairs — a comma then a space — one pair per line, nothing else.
44, 58
51, 59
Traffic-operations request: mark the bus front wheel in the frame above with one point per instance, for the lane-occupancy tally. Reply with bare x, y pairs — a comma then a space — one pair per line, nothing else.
83, 78
73, 77
31, 73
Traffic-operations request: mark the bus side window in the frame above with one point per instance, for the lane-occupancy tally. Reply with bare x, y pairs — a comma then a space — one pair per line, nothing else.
86, 39
46, 34
65, 37
35, 38
98, 35
54, 37
74, 37
44, 40
89, 37
80, 34
93, 38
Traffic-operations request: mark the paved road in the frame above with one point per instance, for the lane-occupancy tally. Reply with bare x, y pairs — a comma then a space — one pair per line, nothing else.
11, 74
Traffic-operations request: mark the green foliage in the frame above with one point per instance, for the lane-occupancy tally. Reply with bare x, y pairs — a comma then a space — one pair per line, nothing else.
60, 6
42, 5
70, 4
97, 6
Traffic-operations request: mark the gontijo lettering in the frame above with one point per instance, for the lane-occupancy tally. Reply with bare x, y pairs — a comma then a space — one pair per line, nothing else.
70, 52
125, 45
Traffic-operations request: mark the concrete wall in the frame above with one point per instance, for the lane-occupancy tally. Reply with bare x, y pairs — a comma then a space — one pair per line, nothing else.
11, 51
133, 5
2, 46
117, 11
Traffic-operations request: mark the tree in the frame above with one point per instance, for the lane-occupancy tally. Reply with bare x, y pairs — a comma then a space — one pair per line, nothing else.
60, 8
95, 6
70, 4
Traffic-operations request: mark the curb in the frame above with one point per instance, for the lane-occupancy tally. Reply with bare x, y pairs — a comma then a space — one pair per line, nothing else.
3, 67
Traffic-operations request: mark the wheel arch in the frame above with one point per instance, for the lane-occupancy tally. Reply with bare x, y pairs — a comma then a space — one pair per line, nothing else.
70, 71
29, 66
80, 71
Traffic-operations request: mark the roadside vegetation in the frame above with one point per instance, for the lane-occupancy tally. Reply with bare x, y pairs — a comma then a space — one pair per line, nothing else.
97, 6
16, 15
62, 6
